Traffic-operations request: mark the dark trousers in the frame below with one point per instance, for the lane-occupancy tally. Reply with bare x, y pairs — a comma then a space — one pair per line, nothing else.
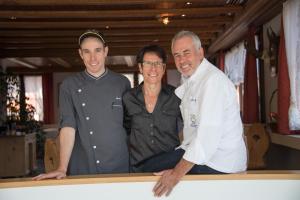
168, 161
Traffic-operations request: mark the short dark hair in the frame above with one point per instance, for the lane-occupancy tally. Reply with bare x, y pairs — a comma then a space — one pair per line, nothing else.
91, 33
153, 48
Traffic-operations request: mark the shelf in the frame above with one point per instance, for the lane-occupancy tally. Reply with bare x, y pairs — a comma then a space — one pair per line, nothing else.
292, 141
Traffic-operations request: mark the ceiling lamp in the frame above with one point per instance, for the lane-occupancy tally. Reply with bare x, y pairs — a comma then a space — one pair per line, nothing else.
165, 20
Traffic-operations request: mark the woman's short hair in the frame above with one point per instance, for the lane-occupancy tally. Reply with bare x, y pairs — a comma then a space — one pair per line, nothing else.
156, 49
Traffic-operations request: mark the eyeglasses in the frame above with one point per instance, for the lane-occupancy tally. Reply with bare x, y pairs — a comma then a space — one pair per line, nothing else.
154, 64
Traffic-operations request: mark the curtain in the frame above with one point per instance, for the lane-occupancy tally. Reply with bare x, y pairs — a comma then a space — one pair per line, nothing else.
291, 24
48, 98
250, 106
235, 63
221, 63
283, 88
33, 90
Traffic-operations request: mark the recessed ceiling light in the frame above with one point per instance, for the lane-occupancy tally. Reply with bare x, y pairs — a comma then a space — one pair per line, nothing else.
13, 17
188, 3
107, 27
183, 15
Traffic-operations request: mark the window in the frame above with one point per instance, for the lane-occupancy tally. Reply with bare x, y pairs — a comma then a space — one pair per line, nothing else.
34, 91
140, 78
130, 78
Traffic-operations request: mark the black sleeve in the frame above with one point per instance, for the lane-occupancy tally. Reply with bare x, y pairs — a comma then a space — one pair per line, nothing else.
66, 107
126, 117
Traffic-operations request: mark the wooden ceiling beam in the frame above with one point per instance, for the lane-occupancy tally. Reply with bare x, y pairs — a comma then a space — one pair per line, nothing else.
240, 26
85, 2
22, 63
116, 24
201, 29
137, 13
49, 29
61, 62
73, 44
66, 52
109, 39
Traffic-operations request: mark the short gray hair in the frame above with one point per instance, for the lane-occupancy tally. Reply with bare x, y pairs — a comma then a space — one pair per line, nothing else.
181, 34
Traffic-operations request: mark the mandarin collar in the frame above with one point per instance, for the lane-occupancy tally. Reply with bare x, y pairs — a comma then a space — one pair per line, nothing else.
89, 76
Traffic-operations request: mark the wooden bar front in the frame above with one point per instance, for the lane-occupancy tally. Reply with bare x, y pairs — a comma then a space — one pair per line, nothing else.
273, 185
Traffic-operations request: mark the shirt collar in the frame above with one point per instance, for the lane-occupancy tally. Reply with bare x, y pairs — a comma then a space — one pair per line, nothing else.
164, 89
90, 76
187, 81
198, 71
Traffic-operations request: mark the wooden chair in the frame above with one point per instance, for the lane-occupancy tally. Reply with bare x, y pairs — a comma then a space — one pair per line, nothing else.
257, 140
51, 157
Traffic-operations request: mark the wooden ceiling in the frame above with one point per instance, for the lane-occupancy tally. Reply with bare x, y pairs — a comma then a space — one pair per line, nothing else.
38, 36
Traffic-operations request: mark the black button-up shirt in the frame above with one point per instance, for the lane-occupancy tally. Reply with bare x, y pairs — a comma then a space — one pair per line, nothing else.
93, 107
151, 133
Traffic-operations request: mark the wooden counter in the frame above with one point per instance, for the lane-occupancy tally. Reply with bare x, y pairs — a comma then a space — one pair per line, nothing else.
273, 185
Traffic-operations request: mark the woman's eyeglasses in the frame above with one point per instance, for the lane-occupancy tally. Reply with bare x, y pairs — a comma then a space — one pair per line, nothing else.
154, 64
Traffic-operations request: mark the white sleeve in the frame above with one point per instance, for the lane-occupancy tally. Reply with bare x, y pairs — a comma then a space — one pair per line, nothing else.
210, 102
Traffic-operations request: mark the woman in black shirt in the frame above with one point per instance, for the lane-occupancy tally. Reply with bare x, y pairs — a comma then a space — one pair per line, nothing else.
152, 114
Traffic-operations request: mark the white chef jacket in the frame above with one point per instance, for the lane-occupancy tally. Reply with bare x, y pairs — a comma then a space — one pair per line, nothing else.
213, 130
